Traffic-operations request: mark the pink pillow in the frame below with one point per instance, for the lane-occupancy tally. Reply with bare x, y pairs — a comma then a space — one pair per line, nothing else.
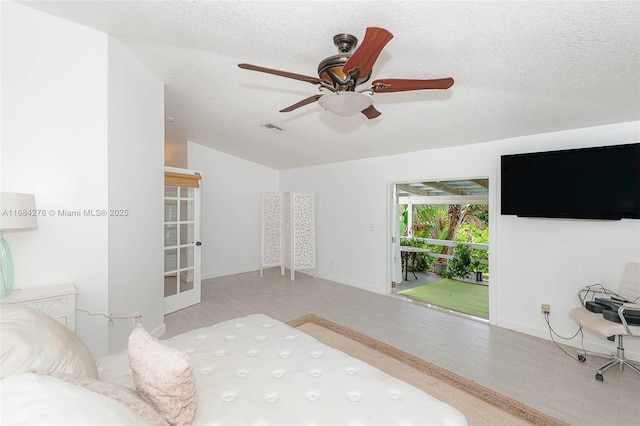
163, 376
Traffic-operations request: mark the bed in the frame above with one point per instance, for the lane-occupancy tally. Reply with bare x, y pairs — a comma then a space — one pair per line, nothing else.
252, 370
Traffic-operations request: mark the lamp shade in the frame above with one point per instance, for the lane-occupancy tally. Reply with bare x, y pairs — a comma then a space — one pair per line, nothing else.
17, 211
345, 103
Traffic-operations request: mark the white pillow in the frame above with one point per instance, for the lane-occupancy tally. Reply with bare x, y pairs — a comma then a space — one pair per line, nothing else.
31, 340
33, 399
163, 376
122, 394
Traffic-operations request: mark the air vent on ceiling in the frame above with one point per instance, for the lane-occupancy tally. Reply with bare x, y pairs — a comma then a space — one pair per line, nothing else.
272, 127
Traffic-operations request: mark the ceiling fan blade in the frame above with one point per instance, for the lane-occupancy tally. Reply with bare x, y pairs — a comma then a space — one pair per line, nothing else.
309, 100
371, 112
375, 39
308, 79
402, 85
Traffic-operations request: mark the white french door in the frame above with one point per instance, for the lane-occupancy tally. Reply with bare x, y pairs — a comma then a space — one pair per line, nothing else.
181, 240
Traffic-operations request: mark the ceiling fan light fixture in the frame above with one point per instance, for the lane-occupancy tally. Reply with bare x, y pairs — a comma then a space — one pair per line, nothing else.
345, 104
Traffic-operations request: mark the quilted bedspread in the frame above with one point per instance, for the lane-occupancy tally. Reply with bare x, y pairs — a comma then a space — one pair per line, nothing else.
256, 370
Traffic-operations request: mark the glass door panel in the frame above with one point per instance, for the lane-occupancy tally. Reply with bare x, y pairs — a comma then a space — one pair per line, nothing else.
187, 232
186, 281
170, 260
186, 258
170, 285
186, 210
187, 192
171, 191
171, 235
170, 210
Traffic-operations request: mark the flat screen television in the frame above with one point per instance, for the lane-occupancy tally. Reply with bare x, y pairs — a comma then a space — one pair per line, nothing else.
589, 183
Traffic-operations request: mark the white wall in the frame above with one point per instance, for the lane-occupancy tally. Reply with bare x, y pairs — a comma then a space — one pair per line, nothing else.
82, 129
533, 261
231, 189
136, 189
54, 145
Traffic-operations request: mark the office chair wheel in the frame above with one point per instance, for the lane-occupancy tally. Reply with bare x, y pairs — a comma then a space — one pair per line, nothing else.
582, 358
599, 377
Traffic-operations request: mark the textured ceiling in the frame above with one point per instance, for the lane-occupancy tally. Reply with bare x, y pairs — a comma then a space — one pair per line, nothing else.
520, 68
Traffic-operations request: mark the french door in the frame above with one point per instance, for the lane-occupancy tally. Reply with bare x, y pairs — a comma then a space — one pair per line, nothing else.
181, 239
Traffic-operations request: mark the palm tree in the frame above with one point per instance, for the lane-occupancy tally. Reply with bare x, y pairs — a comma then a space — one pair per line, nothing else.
442, 222
456, 215
430, 220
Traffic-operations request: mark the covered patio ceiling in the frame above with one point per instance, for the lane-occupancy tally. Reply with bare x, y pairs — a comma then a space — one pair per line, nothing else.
458, 191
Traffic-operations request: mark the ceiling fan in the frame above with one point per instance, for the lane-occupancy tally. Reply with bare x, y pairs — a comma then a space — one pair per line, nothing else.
342, 74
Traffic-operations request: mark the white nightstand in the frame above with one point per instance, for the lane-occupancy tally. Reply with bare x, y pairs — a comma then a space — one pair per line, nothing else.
59, 301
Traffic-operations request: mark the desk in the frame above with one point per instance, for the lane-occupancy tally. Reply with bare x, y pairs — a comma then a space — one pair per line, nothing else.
408, 252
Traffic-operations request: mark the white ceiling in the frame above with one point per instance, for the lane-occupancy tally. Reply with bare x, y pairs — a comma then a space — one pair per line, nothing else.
520, 68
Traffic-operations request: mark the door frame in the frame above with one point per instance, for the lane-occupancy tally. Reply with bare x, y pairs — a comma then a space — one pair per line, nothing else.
393, 242
181, 300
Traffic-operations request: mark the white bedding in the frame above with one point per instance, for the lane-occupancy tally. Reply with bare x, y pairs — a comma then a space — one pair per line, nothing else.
256, 370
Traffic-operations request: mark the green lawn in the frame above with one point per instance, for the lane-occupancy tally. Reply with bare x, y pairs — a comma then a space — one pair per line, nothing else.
459, 296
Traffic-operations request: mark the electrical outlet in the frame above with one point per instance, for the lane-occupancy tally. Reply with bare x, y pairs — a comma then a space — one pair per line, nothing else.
545, 309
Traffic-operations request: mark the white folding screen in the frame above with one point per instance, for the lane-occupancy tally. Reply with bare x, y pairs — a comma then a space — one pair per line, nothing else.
288, 231
303, 228
271, 230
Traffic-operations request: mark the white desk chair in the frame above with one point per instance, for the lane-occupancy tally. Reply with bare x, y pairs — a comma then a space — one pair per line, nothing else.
630, 290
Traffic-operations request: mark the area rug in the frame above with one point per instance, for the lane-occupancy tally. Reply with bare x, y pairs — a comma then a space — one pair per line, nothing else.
480, 405
464, 297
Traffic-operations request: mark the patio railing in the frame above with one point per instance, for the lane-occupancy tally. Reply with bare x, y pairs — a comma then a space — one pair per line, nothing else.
453, 244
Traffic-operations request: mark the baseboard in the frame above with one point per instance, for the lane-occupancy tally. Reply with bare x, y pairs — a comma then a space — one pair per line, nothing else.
590, 344
229, 272
543, 333
309, 272
351, 283
159, 331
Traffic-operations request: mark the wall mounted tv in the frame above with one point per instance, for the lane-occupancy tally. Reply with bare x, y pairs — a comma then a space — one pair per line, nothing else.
590, 183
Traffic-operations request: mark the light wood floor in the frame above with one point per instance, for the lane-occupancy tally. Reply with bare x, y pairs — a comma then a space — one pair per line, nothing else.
529, 369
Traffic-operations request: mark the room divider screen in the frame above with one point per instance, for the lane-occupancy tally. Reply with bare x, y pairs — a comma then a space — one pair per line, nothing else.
288, 232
